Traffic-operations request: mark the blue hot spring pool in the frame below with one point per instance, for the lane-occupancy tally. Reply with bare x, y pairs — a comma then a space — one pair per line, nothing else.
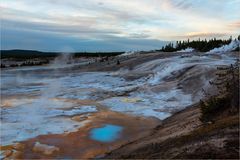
107, 133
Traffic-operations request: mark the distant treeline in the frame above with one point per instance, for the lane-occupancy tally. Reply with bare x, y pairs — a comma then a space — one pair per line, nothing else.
26, 54
198, 45
29, 54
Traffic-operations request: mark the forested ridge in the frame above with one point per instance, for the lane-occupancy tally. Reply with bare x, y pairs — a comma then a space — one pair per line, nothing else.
199, 45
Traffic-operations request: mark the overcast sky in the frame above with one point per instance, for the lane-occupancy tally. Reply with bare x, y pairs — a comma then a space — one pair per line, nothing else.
113, 25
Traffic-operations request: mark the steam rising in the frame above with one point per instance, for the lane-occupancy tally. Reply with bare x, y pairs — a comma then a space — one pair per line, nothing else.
26, 118
63, 59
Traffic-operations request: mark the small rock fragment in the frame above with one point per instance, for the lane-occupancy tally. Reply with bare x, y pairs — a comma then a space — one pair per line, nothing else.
44, 148
15, 155
18, 146
7, 153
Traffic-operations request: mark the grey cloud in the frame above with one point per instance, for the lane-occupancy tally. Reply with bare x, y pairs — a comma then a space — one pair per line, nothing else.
139, 35
69, 30
16, 39
181, 4
201, 35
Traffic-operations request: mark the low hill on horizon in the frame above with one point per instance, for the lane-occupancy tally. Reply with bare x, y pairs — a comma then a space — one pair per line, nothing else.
19, 53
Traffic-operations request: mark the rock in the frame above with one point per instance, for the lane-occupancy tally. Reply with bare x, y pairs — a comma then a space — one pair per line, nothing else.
210, 122
18, 146
44, 148
11, 154
7, 153
132, 100
80, 118
15, 154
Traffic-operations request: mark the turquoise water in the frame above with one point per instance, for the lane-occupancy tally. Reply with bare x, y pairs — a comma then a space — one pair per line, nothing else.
107, 133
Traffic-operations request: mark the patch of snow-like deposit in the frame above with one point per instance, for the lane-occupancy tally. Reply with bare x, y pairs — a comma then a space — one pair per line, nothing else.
226, 48
189, 49
128, 53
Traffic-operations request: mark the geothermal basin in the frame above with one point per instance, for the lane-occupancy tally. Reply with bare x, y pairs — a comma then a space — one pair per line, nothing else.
85, 111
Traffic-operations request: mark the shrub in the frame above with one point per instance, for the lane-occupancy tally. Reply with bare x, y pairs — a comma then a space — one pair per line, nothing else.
227, 82
212, 106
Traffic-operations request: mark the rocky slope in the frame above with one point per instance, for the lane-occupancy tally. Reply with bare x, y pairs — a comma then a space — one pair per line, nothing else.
183, 136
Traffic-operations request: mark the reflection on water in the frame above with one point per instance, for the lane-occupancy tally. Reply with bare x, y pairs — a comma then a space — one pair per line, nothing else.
107, 133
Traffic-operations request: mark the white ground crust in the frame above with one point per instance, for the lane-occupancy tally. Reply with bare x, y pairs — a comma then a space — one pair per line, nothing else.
41, 116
